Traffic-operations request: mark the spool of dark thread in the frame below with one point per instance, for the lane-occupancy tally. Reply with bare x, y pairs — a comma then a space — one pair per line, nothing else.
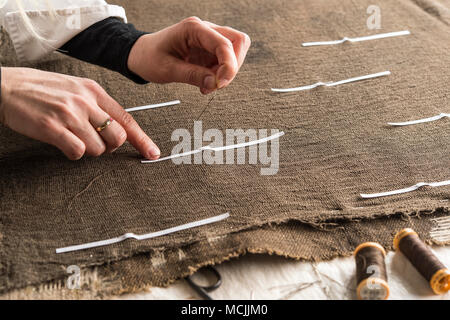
423, 259
371, 276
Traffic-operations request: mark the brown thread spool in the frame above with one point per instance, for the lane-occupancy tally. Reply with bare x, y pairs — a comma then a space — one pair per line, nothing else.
371, 276
423, 259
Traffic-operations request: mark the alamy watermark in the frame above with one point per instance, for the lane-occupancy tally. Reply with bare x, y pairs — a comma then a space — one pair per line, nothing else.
265, 153
374, 20
74, 280
375, 273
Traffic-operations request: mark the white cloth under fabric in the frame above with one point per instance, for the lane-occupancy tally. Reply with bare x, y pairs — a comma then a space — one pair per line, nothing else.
54, 21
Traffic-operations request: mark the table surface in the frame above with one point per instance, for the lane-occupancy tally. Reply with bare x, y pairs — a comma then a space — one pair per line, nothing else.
273, 277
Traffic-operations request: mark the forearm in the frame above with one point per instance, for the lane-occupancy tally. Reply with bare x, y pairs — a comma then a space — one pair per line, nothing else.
107, 43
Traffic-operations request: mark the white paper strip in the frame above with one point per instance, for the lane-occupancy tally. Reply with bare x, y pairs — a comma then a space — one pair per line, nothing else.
345, 39
405, 190
153, 106
234, 146
408, 123
178, 155
332, 84
143, 236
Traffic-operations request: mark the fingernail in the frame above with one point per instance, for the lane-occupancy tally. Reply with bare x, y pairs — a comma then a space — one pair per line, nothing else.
209, 82
222, 83
154, 153
206, 91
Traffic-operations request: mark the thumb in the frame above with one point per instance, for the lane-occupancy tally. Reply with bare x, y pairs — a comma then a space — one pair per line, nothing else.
195, 75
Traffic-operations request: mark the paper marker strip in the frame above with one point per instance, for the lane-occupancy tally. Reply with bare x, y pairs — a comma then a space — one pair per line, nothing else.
234, 146
153, 106
332, 84
345, 39
143, 236
178, 155
405, 190
408, 123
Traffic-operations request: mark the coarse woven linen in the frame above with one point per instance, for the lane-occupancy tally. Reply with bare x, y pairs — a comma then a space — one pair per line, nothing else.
161, 266
337, 144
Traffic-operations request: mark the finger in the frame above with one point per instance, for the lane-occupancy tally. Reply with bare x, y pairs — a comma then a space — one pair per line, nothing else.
201, 57
85, 131
193, 74
135, 135
201, 35
68, 143
114, 135
241, 41
206, 91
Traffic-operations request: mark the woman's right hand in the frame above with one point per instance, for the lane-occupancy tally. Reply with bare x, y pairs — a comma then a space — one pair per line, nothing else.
64, 111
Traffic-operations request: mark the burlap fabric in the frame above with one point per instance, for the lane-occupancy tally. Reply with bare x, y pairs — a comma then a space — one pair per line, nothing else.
337, 145
162, 265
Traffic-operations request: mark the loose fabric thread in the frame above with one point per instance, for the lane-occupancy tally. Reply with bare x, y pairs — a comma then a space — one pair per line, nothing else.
143, 236
332, 84
153, 106
408, 123
441, 231
234, 146
358, 39
405, 190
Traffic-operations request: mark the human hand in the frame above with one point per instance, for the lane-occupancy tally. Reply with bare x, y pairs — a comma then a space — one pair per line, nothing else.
192, 51
65, 111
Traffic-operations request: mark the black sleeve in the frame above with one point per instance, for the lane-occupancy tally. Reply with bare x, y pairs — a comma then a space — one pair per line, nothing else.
106, 43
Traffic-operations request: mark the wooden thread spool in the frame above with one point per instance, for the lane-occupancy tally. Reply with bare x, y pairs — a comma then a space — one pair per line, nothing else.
423, 259
371, 276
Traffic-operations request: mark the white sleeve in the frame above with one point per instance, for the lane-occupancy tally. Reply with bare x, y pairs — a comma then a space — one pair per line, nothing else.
51, 23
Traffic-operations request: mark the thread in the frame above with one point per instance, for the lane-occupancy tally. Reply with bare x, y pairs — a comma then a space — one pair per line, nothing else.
207, 105
405, 190
441, 230
358, 39
234, 146
371, 275
332, 84
145, 236
430, 119
153, 106
423, 259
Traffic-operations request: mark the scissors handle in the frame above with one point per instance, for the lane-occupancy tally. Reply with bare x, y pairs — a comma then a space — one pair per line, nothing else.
203, 290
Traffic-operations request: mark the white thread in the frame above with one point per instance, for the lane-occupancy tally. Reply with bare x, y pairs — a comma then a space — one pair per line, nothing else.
405, 190
178, 155
143, 236
441, 232
345, 39
234, 146
332, 84
408, 123
153, 106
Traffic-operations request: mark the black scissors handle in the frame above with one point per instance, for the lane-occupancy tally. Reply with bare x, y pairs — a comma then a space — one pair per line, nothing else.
203, 290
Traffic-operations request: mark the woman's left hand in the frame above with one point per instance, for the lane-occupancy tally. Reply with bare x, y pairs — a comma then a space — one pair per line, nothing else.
192, 51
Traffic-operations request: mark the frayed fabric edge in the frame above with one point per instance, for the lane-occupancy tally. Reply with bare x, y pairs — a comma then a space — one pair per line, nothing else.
323, 226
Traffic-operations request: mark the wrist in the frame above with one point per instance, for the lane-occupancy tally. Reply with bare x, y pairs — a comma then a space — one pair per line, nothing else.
135, 56
11, 77
2, 94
